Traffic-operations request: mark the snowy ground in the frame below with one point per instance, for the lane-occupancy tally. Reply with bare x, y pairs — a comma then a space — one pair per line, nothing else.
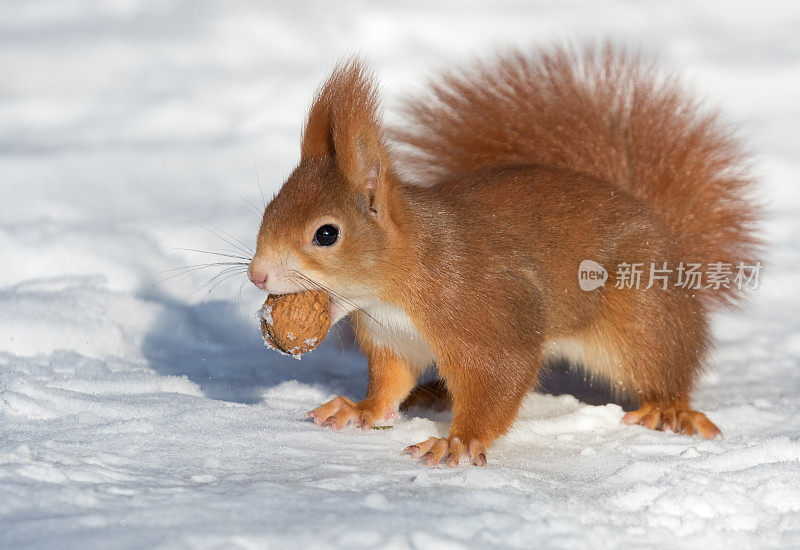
134, 415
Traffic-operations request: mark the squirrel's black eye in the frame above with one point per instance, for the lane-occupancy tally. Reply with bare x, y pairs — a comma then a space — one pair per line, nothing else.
326, 235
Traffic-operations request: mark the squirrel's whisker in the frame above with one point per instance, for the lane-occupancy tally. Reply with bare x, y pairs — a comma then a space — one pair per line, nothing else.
233, 270
250, 207
258, 181
186, 270
226, 254
219, 282
241, 247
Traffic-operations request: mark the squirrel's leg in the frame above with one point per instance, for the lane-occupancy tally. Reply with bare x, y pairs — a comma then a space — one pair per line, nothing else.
390, 381
656, 345
486, 400
664, 394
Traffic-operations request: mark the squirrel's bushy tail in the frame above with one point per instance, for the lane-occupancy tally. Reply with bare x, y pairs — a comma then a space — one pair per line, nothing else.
603, 112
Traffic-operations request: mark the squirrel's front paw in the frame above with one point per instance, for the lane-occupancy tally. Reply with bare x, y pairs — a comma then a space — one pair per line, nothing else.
341, 411
433, 449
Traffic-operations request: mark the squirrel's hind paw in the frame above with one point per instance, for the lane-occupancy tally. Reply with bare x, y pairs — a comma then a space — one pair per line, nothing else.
676, 417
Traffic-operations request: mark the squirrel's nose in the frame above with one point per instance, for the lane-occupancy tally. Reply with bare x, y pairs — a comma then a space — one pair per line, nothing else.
258, 276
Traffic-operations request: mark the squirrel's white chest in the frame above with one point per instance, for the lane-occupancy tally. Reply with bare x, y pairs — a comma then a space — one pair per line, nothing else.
389, 326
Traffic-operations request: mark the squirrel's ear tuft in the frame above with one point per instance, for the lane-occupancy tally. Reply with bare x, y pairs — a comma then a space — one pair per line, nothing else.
344, 123
317, 138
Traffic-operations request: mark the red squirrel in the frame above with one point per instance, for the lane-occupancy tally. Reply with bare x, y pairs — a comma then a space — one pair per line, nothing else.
458, 242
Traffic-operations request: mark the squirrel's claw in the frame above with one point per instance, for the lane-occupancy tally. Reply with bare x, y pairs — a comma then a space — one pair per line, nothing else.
336, 413
676, 417
434, 449
341, 411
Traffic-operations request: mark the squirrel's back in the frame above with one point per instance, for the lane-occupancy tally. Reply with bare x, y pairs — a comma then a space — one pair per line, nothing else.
605, 113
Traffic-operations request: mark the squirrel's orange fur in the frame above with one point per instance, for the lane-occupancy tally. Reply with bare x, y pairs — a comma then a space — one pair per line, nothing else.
526, 165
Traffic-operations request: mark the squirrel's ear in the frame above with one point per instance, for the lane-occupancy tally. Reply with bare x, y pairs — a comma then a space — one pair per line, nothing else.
369, 173
344, 125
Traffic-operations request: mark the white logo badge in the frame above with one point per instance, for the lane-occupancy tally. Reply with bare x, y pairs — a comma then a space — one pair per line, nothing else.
591, 275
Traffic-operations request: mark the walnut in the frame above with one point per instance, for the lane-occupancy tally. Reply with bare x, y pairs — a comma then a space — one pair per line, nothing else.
296, 323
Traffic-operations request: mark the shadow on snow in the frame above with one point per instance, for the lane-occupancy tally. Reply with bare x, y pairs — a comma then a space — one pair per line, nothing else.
219, 349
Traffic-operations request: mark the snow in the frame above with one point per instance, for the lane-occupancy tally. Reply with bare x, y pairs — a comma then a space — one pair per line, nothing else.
265, 312
137, 414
